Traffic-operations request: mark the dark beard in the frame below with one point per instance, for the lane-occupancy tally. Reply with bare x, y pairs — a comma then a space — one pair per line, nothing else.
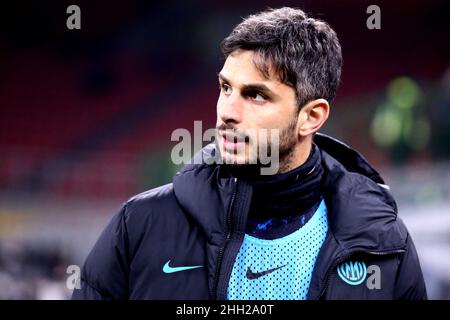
287, 141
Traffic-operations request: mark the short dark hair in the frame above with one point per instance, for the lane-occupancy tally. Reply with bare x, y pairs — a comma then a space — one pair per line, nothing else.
304, 52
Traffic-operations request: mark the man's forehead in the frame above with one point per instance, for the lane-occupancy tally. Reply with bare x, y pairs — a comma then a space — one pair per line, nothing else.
240, 67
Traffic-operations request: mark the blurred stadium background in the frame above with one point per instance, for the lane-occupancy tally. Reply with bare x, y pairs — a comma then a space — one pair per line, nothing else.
86, 117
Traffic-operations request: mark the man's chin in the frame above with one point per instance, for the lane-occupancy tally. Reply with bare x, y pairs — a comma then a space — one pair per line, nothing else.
235, 160
239, 161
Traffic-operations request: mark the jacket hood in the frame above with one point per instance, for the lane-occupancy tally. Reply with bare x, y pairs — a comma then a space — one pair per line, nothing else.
362, 213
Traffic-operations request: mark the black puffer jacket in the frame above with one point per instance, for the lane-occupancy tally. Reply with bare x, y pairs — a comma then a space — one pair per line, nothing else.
199, 220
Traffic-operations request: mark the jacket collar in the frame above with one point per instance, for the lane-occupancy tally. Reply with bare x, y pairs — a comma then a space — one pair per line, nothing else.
205, 193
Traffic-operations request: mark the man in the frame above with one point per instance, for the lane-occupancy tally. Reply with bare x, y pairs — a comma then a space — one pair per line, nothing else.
323, 227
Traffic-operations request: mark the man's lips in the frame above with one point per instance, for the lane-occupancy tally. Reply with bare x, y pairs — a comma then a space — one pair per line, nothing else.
232, 142
231, 136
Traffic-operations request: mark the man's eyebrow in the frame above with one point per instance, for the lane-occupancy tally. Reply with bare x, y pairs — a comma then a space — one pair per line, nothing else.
251, 86
257, 87
222, 77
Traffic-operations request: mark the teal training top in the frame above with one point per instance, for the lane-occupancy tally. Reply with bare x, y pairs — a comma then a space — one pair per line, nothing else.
278, 269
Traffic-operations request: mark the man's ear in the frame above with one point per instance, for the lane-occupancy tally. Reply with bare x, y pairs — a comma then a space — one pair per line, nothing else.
312, 116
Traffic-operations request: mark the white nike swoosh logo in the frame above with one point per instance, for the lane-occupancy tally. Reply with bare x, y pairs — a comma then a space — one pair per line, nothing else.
169, 269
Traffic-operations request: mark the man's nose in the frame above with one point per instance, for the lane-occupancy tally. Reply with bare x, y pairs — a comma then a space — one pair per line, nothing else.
230, 109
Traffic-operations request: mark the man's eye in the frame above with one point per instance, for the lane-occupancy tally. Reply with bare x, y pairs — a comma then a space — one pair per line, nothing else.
225, 88
255, 96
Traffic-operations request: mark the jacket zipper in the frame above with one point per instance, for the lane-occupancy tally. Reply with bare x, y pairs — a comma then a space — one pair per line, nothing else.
227, 239
343, 258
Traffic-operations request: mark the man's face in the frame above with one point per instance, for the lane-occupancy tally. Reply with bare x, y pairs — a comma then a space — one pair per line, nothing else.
250, 104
